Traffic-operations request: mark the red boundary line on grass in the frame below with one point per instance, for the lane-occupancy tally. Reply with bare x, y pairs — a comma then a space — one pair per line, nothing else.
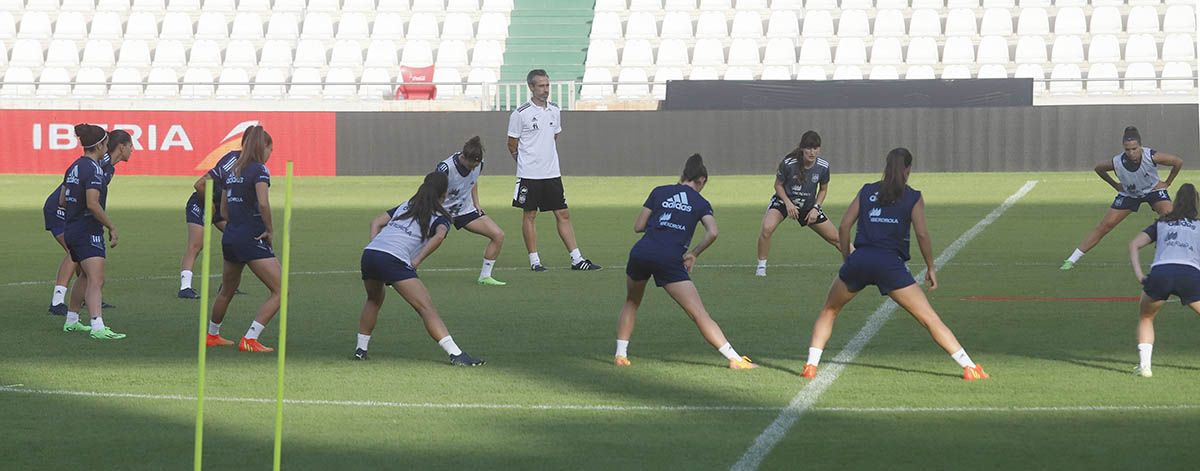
1038, 298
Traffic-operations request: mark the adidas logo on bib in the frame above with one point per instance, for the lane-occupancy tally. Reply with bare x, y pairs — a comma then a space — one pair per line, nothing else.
679, 201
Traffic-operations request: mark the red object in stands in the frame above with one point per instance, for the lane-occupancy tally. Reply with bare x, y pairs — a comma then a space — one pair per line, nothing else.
416, 92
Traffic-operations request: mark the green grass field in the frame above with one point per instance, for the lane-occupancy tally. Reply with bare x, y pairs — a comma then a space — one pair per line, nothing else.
1061, 395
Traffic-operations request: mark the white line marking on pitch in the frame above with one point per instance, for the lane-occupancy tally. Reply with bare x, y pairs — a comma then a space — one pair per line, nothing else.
808, 395
587, 407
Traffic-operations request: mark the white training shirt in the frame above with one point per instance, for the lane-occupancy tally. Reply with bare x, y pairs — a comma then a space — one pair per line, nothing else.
1176, 242
458, 198
534, 128
402, 237
1137, 183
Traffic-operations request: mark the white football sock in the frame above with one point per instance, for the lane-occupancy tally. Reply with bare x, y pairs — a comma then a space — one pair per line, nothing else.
97, 324
576, 256
1075, 256
1144, 351
486, 271
214, 328
363, 340
72, 317
255, 329
814, 356
534, 259
622, 348
963, 360
448, 345
60, 294
729, 353
185, 279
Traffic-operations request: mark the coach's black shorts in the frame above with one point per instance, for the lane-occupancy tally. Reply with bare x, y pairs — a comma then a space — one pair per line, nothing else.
777, 204
539, 194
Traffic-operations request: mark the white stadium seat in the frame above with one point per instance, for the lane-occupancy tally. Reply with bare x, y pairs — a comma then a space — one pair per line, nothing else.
327, 6
856, 4
677, 25
645, 5
748, 24
1106, 20
309, 53
376, 83
70, 25
992, 71
268, 83
1103, 79
197, 83
105, 25
1141, 48
891, 4
780, 51
492, 26
54, 83
1070, 20
458, 26
744, 52
172, 54
1179, 47
149, 5
850, 51
305, 83
422, 26
1035, 72
889, 23
1179, 19
776, 72
276, 53
993, 50
317, 26
340, 83
487, 54
212, 25
1065, 80
605, 25
820, 4
1139, 78
361, 6
610, 5
597, 84
1067, 49
811, 72
239, 53
388, 26
1030, 50
886, 51
632, 83
175, 25
162, 83
262, 7
674, 5
18, 82
381, 53
928, 4
353, 26
782, 24
815, 51
1033, 21
417, 54
853, 24
884, 72
996, 21
429, 5
637, 53
98, 53
711, 25
134, 54
603, 53
817, 24
3, 55
919, 72
961, 22
283, 26
219, 6
392, 6
289, 6
1182, 73
347, 53
27, 53
708, 52
462, 5
958, 50
661, 77
117, 6
847, 72
924, 23
248, 26
641, 25
142, 25
233, 82
999, 3
922, 51
126, 83
719, 5
205, 54
451, 53
477, 78
956, 72
672, 52
962, 4
704, 73
1104, 48
8, 25
449, 83
62, 53
34, 25
1142, 19
738, 73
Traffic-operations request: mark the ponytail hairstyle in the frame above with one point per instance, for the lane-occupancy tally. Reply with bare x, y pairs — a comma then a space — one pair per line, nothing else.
254, 148
473, 150
427, 203
116, 138
894, 178
90, 136
694, 169
1132, 134
1185, 204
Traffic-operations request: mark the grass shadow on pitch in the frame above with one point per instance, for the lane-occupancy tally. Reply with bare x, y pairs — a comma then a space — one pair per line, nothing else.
898, 369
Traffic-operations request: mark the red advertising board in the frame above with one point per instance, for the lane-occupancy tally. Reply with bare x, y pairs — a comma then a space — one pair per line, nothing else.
167, 142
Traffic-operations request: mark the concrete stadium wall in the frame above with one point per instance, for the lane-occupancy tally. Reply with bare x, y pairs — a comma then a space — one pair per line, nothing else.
1045, 138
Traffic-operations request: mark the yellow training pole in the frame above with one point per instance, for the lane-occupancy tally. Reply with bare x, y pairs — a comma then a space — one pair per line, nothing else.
205, 249
283, 309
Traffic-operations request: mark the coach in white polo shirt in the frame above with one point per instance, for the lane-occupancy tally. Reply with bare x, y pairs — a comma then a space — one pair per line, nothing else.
532, 134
